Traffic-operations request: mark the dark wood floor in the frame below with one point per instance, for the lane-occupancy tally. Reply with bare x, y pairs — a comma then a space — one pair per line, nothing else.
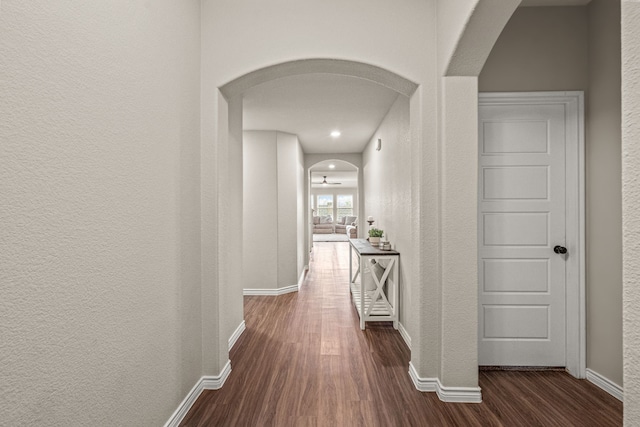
303, 361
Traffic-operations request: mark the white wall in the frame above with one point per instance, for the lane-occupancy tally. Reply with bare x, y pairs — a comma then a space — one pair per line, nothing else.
301, 209
403, 42
99, 206
260, 210
287, 166
578, 48
271, 212
387, 189
630, 207
540, 49
604, 192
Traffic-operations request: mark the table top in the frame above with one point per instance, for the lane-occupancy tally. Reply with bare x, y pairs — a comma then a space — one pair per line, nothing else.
363, 247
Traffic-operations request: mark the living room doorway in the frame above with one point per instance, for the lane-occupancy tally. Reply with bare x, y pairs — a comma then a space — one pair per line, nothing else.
334, 201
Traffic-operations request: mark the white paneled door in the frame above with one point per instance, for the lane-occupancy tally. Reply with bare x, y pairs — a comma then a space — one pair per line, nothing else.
521, 219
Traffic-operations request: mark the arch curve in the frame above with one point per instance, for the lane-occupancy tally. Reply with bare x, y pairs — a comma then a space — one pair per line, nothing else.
361, 70
483, 27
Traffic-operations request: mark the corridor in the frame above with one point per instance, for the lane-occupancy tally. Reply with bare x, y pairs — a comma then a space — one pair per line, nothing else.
303, 361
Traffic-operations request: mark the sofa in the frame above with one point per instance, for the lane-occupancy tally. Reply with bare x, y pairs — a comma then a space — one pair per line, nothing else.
347, 225
323, 225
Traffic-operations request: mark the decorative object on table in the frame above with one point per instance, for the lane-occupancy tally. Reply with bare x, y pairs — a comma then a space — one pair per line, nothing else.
374, 235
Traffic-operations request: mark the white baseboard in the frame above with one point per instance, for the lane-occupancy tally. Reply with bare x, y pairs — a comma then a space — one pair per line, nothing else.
446, 394
422, 384
302, 276
271, 292
216, 382
236, 334
204, 383
606, 384
405, 335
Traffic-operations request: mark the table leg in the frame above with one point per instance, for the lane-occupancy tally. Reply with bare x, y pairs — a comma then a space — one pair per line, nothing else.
362, 291
350, 266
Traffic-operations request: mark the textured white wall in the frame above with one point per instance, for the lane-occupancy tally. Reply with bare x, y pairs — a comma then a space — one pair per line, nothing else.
271, 218
631, 207
387, 190
287, 169
453, 16
467, 30
99, 205
540, 49
300, 211
260, 210
458, 231
239, 37
604, 192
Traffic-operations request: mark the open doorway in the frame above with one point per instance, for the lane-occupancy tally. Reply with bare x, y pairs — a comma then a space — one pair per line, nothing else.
333, 201
294, 129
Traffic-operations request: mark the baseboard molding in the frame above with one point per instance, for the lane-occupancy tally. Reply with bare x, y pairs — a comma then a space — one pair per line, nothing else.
204, 383
605, 384
216, 382
305, 269
271, 292
236, 334
422, 384
405, 335
446, 394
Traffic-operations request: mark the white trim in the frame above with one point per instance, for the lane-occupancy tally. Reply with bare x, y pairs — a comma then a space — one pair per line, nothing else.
422, 384
271, 292
446, 394
204, 383
179, 414
405, 335
576, 347
216, 382
605, 384
236, 334
302, 276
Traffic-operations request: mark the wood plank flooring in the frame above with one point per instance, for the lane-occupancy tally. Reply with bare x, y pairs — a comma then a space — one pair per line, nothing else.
303, 361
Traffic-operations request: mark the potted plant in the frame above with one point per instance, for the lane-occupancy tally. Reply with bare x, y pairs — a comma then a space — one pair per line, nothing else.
374, 235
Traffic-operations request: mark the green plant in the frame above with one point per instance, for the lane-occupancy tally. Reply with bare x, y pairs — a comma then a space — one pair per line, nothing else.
375, 232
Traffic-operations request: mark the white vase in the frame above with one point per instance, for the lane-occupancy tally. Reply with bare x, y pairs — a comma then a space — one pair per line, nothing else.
374, 240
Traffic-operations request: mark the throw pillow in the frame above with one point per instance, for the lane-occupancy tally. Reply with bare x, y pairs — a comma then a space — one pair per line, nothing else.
351, 220
325, 219
341, 220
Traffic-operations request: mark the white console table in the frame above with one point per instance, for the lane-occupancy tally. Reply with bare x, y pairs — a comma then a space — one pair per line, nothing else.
372, 302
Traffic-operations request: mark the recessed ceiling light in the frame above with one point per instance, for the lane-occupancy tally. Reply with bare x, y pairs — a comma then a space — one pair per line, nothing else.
335, 133
332, 166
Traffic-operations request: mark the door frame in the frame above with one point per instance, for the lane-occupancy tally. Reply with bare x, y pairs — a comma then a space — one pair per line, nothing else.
573, 101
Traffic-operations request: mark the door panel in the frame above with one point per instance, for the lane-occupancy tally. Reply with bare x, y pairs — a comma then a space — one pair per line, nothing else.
515, 275
504, 183
522, 289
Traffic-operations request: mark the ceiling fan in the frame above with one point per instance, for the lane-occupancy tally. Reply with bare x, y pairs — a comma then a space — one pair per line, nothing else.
324, 182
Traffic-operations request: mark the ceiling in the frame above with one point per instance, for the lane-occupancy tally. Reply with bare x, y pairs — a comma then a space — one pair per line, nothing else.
342, 172
311, 106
